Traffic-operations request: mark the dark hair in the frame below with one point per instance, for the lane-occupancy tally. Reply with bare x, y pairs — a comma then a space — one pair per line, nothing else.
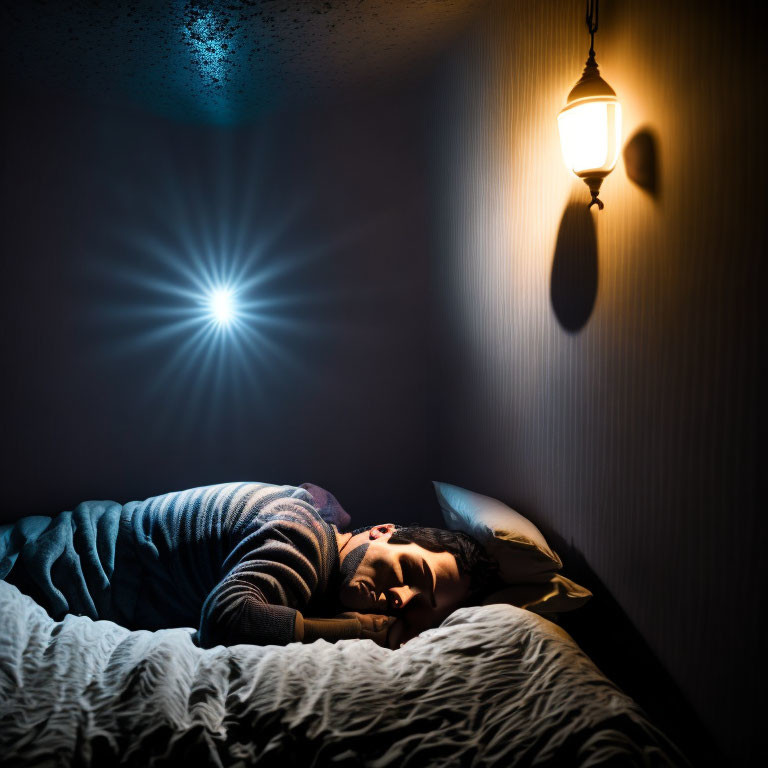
470, 556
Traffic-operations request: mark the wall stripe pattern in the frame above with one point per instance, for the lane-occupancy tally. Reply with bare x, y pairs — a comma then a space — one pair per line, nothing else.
633, 437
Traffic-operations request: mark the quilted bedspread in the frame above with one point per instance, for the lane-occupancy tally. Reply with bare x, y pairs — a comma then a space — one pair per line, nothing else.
492, 686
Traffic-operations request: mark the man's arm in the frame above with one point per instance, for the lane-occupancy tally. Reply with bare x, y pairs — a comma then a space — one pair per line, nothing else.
369, 626
237, 611
242, 615
274, 564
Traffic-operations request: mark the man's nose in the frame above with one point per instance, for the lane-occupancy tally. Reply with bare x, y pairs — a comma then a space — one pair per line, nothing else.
403, 595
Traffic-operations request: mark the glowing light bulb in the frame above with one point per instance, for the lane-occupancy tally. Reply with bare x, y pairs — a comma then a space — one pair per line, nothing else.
589, 136
222, 306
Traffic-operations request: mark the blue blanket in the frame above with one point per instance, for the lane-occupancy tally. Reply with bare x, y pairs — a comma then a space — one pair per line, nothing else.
236, 560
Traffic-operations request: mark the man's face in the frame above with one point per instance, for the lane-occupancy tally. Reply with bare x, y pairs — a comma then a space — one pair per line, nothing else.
406, 580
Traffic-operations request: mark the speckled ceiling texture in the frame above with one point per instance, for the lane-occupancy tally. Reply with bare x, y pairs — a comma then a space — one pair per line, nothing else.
225, 61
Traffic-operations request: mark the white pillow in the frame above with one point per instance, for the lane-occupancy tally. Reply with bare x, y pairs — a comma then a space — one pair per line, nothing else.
527, 564
509, 538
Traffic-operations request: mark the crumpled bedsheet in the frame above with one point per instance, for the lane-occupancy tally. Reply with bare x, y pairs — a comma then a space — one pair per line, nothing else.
492, 686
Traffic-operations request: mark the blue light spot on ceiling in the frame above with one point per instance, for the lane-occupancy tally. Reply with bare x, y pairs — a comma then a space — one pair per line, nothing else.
224, 61
209, 44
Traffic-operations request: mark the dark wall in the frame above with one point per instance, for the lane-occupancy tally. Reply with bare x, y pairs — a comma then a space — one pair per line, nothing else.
599, 371
110, 216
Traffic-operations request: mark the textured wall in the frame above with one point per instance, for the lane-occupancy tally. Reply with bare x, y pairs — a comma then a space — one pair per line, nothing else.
109, 212
599, 371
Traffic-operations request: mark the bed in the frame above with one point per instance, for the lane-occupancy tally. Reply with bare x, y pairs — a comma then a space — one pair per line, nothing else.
493, 685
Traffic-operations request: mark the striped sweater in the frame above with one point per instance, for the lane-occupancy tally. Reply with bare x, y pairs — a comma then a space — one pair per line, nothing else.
236, 560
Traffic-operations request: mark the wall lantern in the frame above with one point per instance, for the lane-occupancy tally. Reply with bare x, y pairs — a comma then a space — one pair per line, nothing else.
590, 121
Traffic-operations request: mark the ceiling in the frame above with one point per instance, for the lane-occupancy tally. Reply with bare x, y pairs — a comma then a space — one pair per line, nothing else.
225, 61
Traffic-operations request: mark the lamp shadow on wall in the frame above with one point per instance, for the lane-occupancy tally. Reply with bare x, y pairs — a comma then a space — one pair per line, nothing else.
641, 161
573, 283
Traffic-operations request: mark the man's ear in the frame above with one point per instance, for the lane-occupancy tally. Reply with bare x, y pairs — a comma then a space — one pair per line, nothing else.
380, 531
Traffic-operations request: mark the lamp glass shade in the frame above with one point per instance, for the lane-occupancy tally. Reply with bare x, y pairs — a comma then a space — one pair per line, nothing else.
590, 136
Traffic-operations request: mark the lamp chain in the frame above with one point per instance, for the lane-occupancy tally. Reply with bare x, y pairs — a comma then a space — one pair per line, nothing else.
593, 9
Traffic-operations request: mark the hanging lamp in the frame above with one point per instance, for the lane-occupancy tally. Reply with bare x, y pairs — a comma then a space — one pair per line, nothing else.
590, 122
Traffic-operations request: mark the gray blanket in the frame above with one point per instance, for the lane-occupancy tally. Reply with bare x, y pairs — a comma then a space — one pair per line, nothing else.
492, 686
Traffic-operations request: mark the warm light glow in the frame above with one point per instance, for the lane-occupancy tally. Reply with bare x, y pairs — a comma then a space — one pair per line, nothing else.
222, 306
590, 136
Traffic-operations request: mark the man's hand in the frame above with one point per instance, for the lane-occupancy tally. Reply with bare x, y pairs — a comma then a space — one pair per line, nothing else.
377, 627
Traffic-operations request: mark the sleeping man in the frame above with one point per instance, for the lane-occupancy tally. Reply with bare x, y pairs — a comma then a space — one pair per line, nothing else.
243, 563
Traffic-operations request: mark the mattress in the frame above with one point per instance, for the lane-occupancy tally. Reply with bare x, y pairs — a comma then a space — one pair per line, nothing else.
492, 686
